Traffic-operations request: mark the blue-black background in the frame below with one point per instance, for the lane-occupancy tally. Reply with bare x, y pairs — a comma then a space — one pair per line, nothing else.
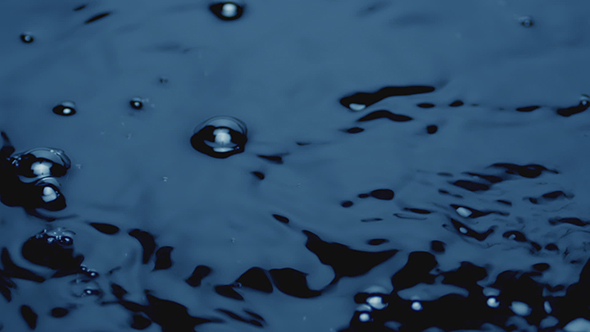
284, 68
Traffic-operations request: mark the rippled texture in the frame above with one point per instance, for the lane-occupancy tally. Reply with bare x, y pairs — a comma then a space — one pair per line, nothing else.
410, 166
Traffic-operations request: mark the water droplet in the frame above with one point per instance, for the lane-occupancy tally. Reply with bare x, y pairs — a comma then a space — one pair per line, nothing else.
220, 137
27, 38
526, 21
66, 108
36, 164
227, 11
136, 103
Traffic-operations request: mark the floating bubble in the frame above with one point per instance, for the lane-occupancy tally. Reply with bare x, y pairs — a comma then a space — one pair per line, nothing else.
53, 248
66, 108
227, 11
39, 163
493, 302
220, 137
47, 195
416, 306
363, 313
136, 103
376, 297
526, 21
27, 38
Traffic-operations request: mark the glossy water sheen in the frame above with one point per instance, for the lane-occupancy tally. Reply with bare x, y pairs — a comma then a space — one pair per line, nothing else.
409, 166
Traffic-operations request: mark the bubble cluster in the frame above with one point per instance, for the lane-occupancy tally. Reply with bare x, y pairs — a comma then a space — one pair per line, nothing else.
220, 137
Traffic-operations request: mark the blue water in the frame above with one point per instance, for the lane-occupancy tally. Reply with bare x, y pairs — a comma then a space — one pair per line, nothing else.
412, 166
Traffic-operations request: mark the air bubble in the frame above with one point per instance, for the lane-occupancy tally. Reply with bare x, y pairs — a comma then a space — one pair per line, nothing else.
136, 103
364, 313
26, 38
37, 164
66, 108
492, 302
227, 11
220, 137
417, 306
47, 195
526, 21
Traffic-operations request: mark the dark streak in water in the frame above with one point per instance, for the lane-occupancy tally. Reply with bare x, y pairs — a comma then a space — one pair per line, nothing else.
79, 8
293, 282
344, 261
471, 186
229, 292
273, 159
367, 98
29, 316
240, 319
147, 241
571, 220
255, 278
97, 17
105, 228
199, 273
466, 231
163, 260
354, 130
569, 111
528, 108
383, 114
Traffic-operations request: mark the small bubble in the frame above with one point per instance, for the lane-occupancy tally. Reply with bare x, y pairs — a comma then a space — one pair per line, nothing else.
364, 313
136, 103
585, 100
220, 137
431, 129
47, 195
66, 108
26, 38
526, 21
227, 11
416, 306
163, 80
492, 302
164, 179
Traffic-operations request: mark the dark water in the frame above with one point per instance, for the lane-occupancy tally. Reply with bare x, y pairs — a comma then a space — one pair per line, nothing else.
414, 166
